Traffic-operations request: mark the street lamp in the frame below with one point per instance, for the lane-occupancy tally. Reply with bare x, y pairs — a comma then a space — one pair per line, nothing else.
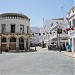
59, 31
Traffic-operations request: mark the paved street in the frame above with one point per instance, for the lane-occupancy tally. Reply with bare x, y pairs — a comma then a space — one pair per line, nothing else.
41, 62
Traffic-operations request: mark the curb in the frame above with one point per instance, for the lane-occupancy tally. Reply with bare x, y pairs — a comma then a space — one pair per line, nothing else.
67, 55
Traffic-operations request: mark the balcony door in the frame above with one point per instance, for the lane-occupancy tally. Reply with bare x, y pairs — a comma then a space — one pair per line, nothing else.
3, 28
12, 28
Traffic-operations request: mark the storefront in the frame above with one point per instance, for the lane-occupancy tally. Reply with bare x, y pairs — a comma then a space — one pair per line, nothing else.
72, 41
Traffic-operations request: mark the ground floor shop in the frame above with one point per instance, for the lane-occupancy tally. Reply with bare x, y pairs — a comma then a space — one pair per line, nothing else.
15, 42
72, 43
61, 43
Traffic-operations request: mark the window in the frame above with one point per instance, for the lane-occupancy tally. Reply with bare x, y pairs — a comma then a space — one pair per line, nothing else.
27, 29
70, 24
22, 28
51, 24
12, 28
73, 10
73, 21
21, 40
21, 43
3, 40
12, 39
57, 22
3, 28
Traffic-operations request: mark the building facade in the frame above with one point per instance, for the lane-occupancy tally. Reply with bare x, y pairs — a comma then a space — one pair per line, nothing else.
41, 37
35, 36
14, 32
50, 29
71, 33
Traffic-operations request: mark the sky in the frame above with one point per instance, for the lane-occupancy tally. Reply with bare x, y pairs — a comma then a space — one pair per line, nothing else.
37, 10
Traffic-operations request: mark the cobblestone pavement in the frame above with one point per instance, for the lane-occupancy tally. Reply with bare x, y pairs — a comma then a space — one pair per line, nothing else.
41, 62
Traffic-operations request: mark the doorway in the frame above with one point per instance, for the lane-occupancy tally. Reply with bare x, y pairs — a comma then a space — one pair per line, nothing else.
21, 43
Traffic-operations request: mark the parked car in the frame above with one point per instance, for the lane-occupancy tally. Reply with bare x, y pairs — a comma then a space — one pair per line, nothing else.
53, 47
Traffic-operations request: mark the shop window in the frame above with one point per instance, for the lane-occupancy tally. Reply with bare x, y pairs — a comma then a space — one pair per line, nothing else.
12, 39
21, 40
21, 43
73, 21
3, 40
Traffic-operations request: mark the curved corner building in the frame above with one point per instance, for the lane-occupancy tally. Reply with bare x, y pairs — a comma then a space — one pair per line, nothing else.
14, 32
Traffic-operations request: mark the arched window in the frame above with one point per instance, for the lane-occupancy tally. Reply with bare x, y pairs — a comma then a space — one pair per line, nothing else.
3, 39
21, 40
73, 21
12, 39
21, 43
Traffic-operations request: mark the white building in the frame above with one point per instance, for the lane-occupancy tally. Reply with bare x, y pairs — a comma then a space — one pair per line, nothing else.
71, 19
41, 36
14, 32
50, 30
35, 35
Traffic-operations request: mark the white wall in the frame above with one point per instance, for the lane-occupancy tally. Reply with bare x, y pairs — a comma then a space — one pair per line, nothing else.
51, 26
71, 34
17, 23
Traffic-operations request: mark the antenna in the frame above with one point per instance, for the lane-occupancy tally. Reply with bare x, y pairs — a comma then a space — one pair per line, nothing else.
62, 12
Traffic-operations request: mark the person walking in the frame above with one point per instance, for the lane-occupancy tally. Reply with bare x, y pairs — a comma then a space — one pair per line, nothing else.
67, 47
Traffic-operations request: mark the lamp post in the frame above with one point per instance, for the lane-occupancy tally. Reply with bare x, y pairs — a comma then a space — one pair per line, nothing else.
59, 31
